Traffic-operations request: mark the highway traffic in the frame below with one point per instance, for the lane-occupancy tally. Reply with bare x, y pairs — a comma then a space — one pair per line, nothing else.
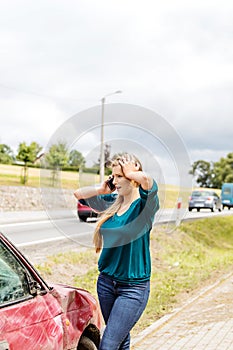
31, 228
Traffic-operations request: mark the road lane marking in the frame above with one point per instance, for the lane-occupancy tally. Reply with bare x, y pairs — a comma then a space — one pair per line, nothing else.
26, 223
53, 239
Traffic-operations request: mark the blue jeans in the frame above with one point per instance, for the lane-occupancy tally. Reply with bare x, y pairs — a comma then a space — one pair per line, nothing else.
121, 305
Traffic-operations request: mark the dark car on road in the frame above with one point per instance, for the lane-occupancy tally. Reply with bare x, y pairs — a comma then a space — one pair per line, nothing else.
85, 212
35, 315
204, 199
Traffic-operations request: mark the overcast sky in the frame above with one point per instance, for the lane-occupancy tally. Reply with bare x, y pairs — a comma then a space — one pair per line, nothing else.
60, 57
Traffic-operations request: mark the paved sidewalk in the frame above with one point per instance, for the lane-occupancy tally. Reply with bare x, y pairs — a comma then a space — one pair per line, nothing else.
205, 323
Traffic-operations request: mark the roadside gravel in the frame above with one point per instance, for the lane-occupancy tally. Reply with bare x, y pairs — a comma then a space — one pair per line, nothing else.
17, 198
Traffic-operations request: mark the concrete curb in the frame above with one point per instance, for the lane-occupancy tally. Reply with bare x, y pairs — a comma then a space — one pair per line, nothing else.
165, 319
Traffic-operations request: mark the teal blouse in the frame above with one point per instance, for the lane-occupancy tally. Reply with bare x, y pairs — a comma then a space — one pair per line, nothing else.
125, 256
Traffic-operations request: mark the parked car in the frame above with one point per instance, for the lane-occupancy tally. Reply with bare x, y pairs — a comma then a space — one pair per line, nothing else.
205, 199
37, 315
227, 195
84, 211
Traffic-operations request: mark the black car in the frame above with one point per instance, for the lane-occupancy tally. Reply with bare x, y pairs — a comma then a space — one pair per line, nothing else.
204, 199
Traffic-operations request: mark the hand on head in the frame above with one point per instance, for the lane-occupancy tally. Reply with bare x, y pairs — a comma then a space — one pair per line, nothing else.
128, 164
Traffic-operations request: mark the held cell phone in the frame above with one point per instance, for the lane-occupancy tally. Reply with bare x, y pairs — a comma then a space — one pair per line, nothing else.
111, 184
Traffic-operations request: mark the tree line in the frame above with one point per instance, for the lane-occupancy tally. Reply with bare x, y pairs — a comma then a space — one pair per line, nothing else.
57, 158
213, 174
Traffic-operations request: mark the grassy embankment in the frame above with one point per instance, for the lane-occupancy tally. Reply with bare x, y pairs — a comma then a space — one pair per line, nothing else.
193, 255
10, 176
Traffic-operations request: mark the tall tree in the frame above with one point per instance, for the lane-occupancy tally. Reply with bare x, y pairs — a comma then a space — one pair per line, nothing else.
56, 158
107, 156
27, 154
223, 170
202, 171
76, 159
6, 154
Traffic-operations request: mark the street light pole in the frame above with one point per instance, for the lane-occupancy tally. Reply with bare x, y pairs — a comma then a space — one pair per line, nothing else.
102, 142
102, 158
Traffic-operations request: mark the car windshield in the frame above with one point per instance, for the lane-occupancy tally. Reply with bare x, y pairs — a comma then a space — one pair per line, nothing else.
202, 194
13, 281
227, 190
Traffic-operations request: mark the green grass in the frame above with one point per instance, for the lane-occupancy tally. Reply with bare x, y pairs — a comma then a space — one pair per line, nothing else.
14, 180
10, 176
181, 262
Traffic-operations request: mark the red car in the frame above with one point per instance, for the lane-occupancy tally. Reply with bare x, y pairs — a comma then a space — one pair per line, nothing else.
35, 315
84, 211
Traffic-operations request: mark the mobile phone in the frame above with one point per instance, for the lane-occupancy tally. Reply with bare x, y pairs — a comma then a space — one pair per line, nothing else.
111, 184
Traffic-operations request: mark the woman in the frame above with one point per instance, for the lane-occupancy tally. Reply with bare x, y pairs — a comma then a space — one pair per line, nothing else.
123, 234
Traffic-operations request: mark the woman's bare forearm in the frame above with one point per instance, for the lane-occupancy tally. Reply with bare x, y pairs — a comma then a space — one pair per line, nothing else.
86, 192
91, 191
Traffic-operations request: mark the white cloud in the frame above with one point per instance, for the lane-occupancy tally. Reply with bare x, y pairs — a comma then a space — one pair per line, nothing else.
28, 120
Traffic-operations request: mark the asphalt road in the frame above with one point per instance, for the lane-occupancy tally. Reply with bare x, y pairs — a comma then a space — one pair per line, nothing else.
27, 228
41, 230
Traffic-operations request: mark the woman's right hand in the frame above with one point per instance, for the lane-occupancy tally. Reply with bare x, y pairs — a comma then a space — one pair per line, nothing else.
104, 189
91, 191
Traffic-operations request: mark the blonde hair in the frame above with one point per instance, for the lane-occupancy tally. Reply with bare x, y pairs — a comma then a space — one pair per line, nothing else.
108, 213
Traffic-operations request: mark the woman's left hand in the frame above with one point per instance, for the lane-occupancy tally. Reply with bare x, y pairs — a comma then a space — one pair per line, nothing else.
128, 166
131, 170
